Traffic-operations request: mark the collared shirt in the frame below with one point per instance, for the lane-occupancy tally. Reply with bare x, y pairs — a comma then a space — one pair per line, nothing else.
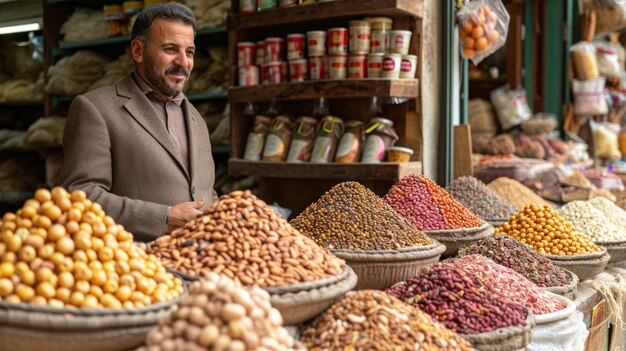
172, 115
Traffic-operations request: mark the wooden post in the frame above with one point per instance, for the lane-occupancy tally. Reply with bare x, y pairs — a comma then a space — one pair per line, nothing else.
463, 151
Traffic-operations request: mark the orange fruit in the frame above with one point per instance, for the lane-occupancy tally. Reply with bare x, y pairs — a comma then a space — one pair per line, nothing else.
468, 43
481, 44
478, 32
468, 27
494, 36
469, 53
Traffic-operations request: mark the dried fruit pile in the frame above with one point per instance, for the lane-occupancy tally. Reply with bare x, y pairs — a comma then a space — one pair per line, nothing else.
515, 193
479, 199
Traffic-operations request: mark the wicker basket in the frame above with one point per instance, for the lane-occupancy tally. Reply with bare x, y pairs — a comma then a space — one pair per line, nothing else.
25, 327
569, 291
504, 339
617, 250
584, 266
382, 269
454, 239
496, 222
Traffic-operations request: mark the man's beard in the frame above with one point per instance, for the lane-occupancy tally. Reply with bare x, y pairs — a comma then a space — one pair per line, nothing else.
159, 82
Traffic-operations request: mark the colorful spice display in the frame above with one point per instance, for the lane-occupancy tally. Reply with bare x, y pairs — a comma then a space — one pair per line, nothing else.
511, 253
611, 211
458, 300
373, 320
508, 285
591, 221
429, 206
515, 193
479, 199
546, 232
352, 217
243, 238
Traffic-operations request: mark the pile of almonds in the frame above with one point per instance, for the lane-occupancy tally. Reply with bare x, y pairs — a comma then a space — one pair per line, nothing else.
62, 250
221, 315
243, 238
373, 320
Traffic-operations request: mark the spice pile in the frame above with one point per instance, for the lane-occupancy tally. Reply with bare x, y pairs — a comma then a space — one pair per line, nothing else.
507, 285
546, 232
62, 250
515, 193
243, 238
429, 206
479, 199
458, 300
373, 320
351, 217
511, 253
220, 315
614, 213
591, 221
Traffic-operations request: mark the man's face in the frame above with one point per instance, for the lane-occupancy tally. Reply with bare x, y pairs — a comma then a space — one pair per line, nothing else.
165, 58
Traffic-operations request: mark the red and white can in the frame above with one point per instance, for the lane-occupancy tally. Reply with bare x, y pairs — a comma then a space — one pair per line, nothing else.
357, 66
379, 42
284, 71
274, 49
260, 53
318, 67
408, 66
298, 70
248, 76
360, 37
338, 41
399, 41
295, 46
374, 65
316, 43
247, 6
273, 72
337, 66
391, 66
245, 53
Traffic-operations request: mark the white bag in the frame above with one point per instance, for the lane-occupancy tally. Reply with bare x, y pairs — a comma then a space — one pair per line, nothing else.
563, 330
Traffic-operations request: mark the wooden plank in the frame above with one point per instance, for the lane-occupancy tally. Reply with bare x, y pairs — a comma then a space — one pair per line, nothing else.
325, 10
463, 151
355, 171
332, 89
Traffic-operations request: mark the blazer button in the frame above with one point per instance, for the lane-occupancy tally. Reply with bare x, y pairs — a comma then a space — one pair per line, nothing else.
193, 189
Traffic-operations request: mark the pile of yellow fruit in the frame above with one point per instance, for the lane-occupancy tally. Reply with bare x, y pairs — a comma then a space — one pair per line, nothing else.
62, 250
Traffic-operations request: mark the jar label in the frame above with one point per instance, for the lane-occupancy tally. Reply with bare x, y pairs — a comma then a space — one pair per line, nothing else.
274, 146
374, 149
399, 41
299, 151
348, 146
254, 147
389, 65
321, 150
406, 66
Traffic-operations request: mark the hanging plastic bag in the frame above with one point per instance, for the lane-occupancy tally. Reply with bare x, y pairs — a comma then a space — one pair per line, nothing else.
483, 27
589, 97
608, 62
605, 139
511, 106
585, 60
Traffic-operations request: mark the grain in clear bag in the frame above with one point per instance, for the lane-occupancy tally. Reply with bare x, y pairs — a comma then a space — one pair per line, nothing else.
483, 27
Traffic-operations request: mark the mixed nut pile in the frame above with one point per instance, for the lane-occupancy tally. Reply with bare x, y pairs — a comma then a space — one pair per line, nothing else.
479, 199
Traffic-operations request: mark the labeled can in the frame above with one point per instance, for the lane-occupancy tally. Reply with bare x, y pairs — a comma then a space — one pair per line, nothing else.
408, 67
374, 65
295, 46
274, 49
245, 53
359, 42
391, 66
273, 73
114, 19
382, 24
316, 43
132, 9
248, 76
399, 154
380, 137
329, 131
302, 141
263, 5
247, 6
379, 42
287, 3
256, 138
278, 139
338, 41
337, 66
357, 66
399, 41
351, 143
298, 70
318, 67
284, 71
260, 53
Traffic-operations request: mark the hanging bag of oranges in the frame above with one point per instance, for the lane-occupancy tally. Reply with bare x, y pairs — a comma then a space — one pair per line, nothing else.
483, 27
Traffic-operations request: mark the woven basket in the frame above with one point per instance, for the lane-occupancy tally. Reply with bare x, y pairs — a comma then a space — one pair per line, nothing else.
617, 250
584, 266
496, 222
381, 269
454, 239
504, 339
570, 290
25, 327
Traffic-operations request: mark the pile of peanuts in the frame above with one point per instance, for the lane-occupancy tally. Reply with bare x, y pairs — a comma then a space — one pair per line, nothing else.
62, 250
243, 238
610, 210
428, 206
546, 232
351, 217
591, 222
221, 315
373, 320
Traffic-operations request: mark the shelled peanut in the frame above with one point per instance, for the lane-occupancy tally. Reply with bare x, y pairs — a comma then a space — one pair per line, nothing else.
243, 238
62, 250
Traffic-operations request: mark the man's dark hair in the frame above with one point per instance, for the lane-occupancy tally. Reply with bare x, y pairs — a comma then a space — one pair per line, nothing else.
172, 11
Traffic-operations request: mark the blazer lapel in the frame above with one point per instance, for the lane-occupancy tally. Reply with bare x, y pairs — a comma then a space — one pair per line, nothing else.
194, 137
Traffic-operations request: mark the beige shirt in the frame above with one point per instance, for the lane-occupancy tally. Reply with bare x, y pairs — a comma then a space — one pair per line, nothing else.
171, 113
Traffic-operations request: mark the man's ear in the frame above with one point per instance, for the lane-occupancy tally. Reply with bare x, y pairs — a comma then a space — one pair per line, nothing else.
137, 48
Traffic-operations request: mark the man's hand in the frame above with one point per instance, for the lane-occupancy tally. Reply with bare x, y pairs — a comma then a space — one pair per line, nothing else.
183, 213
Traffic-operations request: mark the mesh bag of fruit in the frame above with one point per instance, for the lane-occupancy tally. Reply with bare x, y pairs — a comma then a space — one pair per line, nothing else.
483, 27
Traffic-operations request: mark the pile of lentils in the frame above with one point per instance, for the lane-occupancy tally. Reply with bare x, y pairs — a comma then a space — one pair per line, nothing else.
351, 217
546, 232
243, 238
428, 206
591, 221
508, 285
479, 199
614, 213
459, 300
218, 314
515, 193
512, 254
373, 320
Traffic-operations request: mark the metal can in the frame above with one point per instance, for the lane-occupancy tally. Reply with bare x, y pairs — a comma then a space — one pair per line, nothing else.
357, 66
379, 42
274, 49
408, 66
316, 43
295, 46
337, 66
318, 67
338, 41
273, 72
260, 53
399, 41
248, 76
245, 53
391, 66
374, 65
359, 37
298, 70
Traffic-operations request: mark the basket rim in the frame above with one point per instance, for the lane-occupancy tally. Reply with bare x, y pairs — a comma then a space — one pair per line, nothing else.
469, 230
575, 258
572, 283
404, 254
608, 244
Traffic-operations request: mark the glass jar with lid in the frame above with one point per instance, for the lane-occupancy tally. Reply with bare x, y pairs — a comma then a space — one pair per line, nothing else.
256, 138
329, 131
351, 143
303, 138
380, 137
278, 139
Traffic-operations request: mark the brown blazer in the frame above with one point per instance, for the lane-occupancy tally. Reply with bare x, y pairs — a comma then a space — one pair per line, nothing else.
118, 150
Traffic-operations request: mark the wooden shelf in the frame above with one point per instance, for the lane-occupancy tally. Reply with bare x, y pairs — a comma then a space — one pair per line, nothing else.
344, 88
215, 94
24, 103
326, 10
341, 171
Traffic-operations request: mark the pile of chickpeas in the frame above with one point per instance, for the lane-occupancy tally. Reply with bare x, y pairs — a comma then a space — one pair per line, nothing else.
62, 250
